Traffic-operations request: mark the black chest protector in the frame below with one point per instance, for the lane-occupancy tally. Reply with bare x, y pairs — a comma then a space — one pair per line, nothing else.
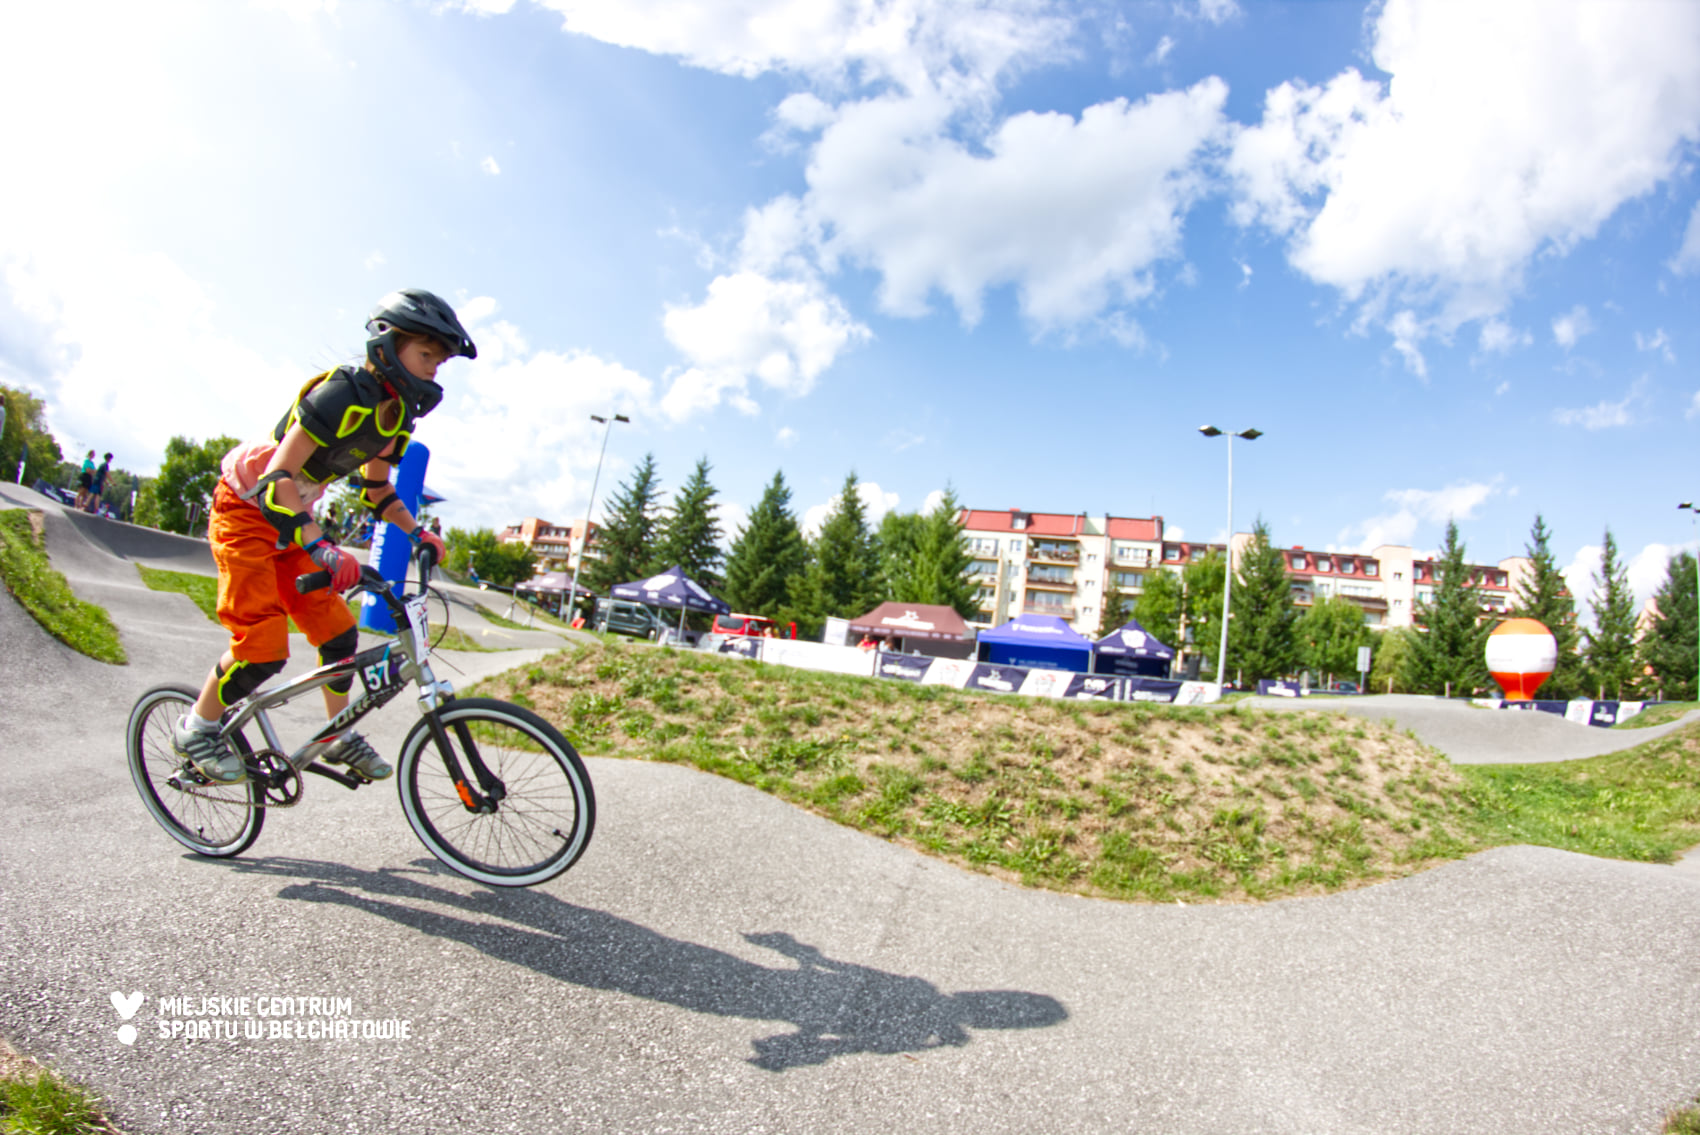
339, 411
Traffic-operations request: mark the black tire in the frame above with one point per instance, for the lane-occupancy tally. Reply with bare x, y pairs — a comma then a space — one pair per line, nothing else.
542, 826
217, 828
437, 609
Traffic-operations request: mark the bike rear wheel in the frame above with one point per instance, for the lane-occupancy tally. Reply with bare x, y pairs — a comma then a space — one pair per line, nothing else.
537, 831
219, 820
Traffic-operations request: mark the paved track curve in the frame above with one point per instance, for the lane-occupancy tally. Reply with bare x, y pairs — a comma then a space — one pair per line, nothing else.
722, 962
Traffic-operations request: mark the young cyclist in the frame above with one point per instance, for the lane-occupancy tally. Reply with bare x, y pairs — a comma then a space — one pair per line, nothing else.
348, 421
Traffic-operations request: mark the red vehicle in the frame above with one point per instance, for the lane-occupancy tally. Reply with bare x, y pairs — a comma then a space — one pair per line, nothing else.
756, 626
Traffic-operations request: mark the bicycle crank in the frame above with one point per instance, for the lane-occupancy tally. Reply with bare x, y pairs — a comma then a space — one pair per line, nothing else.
280, 784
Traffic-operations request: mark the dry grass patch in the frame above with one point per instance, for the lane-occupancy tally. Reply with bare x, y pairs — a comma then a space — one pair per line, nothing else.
1124, 801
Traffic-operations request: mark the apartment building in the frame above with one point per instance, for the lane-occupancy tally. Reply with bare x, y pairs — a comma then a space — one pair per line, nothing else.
556, 545
1064, 564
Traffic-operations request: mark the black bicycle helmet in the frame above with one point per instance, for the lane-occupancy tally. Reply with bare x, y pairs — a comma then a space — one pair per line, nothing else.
413, 311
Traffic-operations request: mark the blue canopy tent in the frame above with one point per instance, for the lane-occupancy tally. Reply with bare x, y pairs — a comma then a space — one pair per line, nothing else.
1132, 650
1039, 642
672, 588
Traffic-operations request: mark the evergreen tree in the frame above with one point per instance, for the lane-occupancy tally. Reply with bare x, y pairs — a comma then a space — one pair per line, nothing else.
768, 555
1262, 642
1669, 646
1159, 605
1454, 639
843, 577
1329, 635
1116, 612
1545, 597
1611, 644
690, 534
900, 537
625, 543
938, 565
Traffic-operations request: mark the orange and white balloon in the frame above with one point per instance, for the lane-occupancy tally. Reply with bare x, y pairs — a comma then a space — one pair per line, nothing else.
1521, 654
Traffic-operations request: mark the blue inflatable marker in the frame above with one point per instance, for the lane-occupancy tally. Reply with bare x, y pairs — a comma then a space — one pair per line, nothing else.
392, 550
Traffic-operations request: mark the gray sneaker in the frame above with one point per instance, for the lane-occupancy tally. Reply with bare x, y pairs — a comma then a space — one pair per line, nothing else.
354, 752
209, 753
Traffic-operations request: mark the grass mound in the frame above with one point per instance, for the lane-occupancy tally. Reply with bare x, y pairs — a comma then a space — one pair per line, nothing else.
45, 594
1123, 801
35, 1100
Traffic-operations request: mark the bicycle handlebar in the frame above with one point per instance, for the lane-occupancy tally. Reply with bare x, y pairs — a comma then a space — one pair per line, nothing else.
370, 579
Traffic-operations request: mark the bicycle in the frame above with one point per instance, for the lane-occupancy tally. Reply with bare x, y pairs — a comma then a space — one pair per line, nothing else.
523, 816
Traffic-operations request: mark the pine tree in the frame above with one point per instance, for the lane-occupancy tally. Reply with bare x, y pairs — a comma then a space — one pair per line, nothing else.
1451, 649
1669, 646
1611, 644
843, 576
900, 537
1116, 612
1262, 642
768, 556
689, 536
1545, 597
625, 545
941, 559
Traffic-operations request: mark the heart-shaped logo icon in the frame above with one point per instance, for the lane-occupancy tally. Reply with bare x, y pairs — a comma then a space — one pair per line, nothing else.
126, 1034
127, 1006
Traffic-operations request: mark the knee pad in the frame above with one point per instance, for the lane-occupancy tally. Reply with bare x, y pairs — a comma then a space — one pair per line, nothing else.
242, 679
335, 650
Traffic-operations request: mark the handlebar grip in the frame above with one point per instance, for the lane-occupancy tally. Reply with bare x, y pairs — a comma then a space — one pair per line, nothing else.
312, 581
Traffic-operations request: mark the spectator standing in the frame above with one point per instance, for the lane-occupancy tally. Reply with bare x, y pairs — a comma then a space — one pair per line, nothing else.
99, 486
85, 481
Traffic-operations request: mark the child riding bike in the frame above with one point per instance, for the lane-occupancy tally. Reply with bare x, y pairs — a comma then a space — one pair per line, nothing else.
354, 419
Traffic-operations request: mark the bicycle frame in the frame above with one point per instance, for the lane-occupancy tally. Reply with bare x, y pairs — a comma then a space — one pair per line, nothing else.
382, 671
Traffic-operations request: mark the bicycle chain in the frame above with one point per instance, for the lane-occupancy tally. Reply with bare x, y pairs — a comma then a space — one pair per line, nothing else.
270, 764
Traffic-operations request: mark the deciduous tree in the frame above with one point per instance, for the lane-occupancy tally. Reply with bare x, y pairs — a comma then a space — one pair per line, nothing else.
186, 480
1329, 635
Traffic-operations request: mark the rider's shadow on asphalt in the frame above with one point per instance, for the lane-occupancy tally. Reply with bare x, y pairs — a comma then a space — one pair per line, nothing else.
837, 1008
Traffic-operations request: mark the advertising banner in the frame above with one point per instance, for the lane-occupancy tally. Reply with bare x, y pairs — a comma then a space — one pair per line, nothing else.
953, 672
818, 656
903, 667
1093, 687
996, 679
1153, 689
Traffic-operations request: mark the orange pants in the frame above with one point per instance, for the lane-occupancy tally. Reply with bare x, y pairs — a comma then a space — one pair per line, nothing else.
256, 585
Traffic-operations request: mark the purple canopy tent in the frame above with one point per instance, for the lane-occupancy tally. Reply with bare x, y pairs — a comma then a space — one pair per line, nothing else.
1132, 650
672, 588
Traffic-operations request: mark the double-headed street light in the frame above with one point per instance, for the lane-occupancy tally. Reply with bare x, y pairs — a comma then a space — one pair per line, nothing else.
1228, 575
584, 540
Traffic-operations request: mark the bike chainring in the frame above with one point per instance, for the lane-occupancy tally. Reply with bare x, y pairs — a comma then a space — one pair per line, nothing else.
280, 784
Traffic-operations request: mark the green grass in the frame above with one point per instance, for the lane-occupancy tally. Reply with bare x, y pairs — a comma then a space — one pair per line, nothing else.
38, 1101
203, 589
1662, 714
45, 594
1683, 1120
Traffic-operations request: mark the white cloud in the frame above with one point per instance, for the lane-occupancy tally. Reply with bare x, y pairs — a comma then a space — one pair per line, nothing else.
899, 439
876, 502
298, 9
783, 333
1074, 212
1161, 51
1484, 149
931, 504
1216, 11
1604, 415
489, 166
1500, 338
1571, 326
1645, 569
1416, 508
1173, 532
486, 7
1408, 331
785, 438
1657, 341
1687, 258
374, 259
1693, 407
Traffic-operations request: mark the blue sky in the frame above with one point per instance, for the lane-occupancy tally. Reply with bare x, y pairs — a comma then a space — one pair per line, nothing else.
1445, 256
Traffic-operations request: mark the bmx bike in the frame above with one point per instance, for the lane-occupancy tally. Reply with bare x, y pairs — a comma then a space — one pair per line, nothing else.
490, 788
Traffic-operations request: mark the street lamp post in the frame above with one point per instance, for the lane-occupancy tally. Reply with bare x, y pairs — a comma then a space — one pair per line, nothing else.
1228, 575
584, 540
1692, 511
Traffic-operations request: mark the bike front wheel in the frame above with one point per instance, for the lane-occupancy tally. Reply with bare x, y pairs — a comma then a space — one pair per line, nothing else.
544, 818
208, 819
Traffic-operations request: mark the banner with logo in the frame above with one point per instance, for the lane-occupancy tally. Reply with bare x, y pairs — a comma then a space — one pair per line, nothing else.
903, 667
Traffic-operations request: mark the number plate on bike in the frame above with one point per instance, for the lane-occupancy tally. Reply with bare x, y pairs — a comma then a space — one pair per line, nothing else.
416, 614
